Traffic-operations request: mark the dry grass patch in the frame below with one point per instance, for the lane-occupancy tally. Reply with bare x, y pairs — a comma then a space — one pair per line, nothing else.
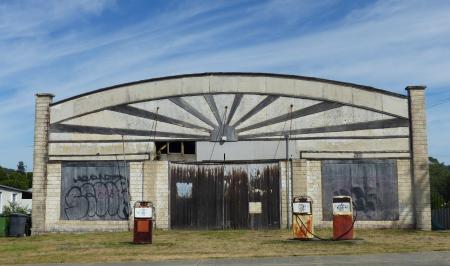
177, 244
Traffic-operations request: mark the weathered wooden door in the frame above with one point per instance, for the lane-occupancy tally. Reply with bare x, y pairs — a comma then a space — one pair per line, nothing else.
219, 196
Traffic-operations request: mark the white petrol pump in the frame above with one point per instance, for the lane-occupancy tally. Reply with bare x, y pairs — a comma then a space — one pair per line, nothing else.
302, 218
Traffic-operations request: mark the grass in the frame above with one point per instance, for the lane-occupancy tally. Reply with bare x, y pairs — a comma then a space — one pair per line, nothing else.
181, 244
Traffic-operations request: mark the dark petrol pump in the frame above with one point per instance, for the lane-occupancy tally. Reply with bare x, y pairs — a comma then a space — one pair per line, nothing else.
302, 218
143, 222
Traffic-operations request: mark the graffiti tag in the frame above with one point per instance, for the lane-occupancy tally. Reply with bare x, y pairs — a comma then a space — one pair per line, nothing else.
97, 197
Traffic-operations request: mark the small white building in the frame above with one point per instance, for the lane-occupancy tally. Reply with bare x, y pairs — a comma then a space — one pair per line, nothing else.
10, 194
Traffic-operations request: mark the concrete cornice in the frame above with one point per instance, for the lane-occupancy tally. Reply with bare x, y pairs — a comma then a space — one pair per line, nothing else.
45, 94
416, 87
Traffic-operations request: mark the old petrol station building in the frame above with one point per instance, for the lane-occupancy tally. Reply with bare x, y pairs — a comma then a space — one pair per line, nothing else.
229, 150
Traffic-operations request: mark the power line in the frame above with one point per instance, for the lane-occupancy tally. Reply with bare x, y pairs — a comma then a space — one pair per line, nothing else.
154, 124
290, 131
279, 140
221, 131
153, 129
437, 104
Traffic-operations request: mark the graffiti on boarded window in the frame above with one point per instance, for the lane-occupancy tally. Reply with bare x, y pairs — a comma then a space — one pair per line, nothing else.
94, 191
372, 184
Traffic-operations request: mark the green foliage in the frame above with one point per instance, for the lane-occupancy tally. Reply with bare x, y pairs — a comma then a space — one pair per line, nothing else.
20, 167
16, 179
440, 183
437, 201
14, 207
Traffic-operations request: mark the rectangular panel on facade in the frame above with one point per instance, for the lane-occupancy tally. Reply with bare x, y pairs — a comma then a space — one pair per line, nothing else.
216, 196
196, 196
236, 198
264, 187
372, 184
94, 191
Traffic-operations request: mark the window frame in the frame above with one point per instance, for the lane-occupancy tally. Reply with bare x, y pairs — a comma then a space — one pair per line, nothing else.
14, 197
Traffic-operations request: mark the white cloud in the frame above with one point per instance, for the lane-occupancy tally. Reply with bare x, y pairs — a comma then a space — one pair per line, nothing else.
25, 19
388, 44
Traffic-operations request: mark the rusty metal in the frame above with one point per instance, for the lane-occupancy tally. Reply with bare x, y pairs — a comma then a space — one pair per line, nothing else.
342, 227
303, 227
302, 218
343, 218
220, 195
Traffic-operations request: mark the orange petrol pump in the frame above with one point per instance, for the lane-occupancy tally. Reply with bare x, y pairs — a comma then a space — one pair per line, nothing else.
342, 218
143, 222
302, 218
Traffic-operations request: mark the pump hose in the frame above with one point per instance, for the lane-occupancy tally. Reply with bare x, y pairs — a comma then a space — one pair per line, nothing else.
351, 227
337, 238
307, 230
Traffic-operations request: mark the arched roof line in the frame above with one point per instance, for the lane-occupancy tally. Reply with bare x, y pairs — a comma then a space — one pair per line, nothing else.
231, 83
281, 95
250, 74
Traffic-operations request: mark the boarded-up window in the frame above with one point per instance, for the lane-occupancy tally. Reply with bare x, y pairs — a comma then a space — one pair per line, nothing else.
372, 184
94, 191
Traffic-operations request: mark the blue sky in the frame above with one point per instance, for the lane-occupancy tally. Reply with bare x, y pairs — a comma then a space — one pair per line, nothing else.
70, 47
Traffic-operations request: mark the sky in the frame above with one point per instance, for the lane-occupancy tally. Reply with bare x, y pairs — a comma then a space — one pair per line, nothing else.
70, 47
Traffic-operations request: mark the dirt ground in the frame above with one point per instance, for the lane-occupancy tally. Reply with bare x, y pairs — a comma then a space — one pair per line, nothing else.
180, 244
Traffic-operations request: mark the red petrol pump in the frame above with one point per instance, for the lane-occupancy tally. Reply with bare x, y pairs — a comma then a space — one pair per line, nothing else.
342, 218
143, 222
302, 218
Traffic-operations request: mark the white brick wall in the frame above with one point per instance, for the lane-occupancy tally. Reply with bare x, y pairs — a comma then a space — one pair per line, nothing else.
136, 188
405, 194
285, 195
156, 190
52, 212
162, 196
314, 188
299, 177
421, 178
40, 154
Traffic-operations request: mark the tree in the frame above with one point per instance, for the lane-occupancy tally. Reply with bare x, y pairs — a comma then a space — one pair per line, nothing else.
3, 173
20, 167
439, 183
16, 178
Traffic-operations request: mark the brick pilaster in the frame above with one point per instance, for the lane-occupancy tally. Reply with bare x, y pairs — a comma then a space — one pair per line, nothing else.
157, 190
285, 201
40, 158
299, 177
419, 162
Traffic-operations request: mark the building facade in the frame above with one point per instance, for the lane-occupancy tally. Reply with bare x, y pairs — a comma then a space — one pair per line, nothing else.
230, 150
10, 195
